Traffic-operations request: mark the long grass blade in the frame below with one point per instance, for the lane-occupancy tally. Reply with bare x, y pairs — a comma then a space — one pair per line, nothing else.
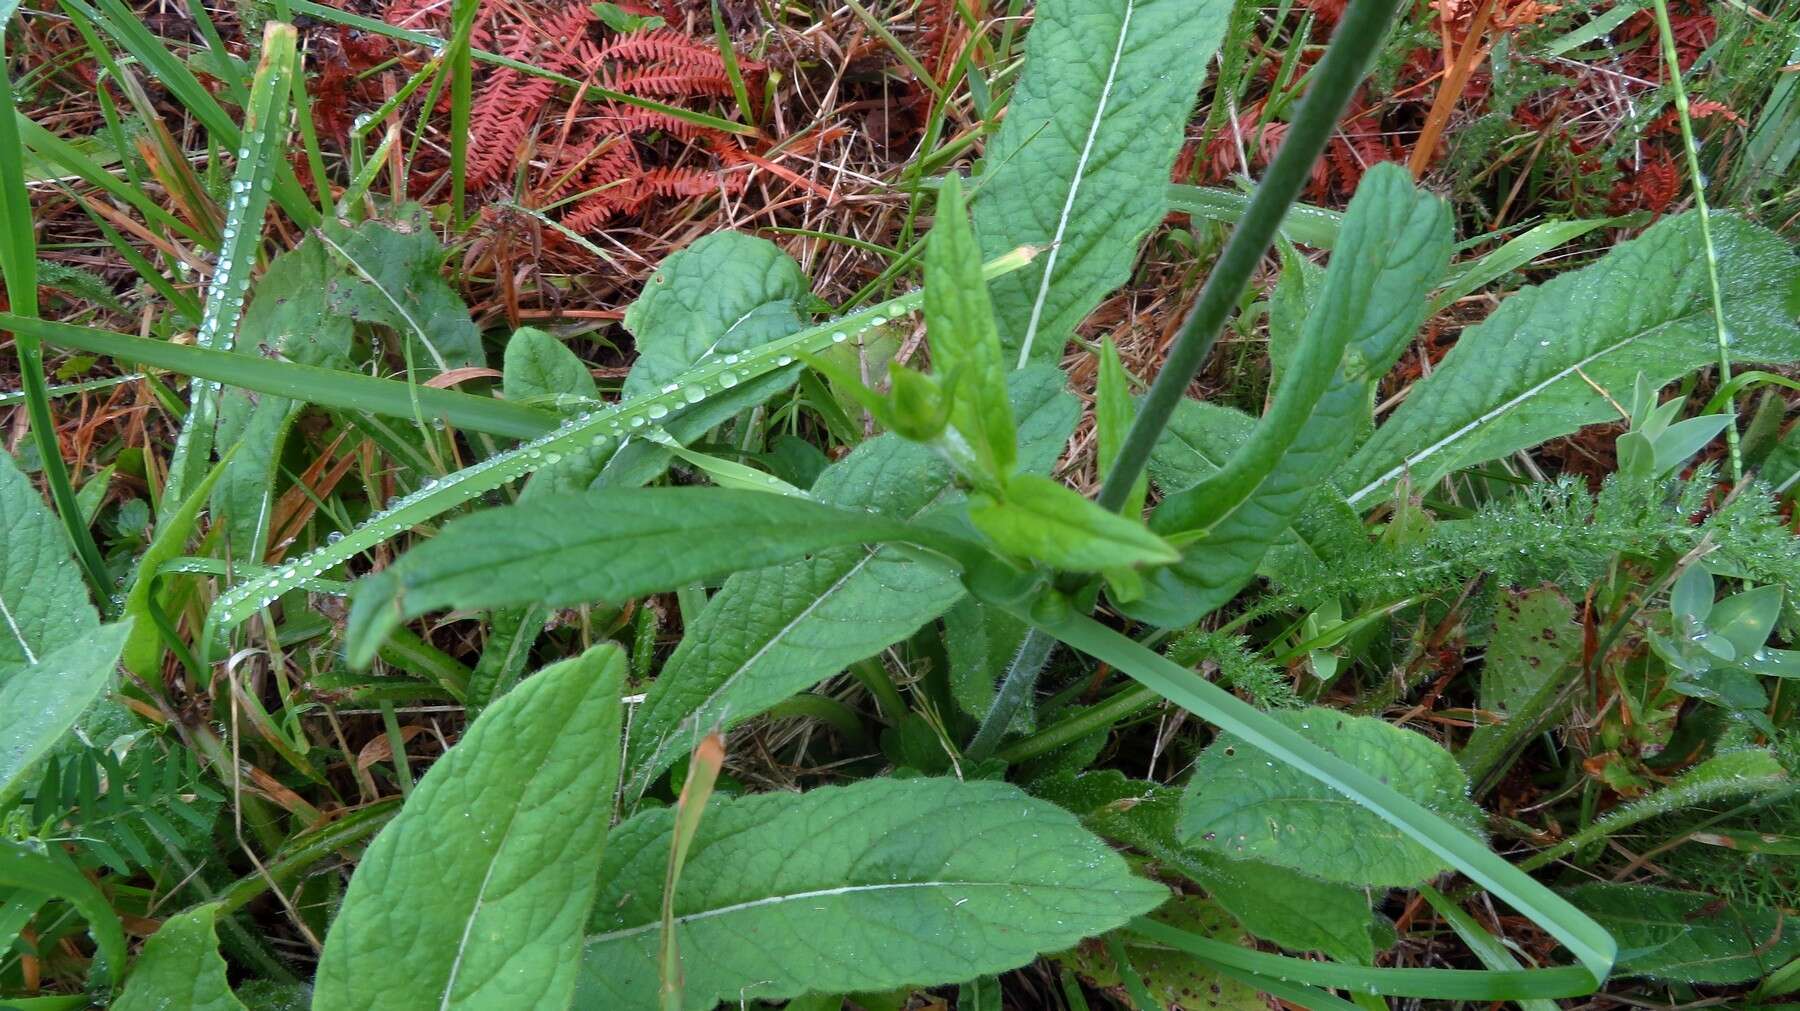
18, 261
1584, 938
265, 135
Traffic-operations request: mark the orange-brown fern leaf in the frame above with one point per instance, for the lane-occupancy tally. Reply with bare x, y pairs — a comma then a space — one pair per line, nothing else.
629, 119
500, 117
663, 46
664, 83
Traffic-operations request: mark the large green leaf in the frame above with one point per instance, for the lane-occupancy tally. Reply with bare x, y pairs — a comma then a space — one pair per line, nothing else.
1292, 909
1081, 163
769, 633
1394, 246
1688, 936
180, 967
607, 545
43, 603
475, 895
1529, 372
1239, 804
40, 701
866, 887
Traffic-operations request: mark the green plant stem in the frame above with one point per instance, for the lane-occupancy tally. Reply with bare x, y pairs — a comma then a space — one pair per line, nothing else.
18, 259
1090, 720
1698, 181
309, 849
1358, 36
1015, 688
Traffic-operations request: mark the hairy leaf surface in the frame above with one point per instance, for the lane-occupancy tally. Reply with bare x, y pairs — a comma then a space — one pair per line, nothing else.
392, 278
1687, 936
1394, 246
43, 603
607, 545
1081, 163
476, 893
1241, 805
180, 967
41, 701
1522, 376
865, 887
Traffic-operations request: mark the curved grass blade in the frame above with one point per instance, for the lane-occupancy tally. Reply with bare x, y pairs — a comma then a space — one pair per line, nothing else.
606, 426
324, 387
1442, 984
1590, 944
264, 137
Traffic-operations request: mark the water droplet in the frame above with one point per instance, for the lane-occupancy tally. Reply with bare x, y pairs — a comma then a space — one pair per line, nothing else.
839, 337
728, 380
657, 411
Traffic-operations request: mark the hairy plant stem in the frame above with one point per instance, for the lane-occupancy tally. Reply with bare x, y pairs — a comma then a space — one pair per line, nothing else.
1359, 36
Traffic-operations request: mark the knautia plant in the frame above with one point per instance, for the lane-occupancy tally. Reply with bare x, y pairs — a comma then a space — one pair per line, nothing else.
585, 841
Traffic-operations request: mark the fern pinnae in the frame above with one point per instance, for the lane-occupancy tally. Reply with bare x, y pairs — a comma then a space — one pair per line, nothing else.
264, 130
611, 424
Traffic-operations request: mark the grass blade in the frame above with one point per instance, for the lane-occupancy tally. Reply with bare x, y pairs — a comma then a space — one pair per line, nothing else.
265, 124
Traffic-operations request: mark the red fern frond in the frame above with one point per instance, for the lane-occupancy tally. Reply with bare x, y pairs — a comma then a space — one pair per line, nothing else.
657, 81
664, 46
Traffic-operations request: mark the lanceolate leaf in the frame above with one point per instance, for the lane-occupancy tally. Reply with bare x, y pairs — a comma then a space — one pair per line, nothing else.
1528, 372
607, 545
1081, 163
43, 603
1689, 936
475, 895
1042, 519
40, 701
965, 348
1394, 245
769, 633
866, 887
180, 967
1239, 804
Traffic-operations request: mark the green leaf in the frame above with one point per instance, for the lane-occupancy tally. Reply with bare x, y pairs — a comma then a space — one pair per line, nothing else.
866, 887
393, 279
43, 602
1113, 413
180, 967
475, 895
979, 643
259, 162
1174, 978
1044, 521
1394, 245
726, 293
1745, 619
1240, 805
1531, 656
538, 365
1523, 375
1081, 162
1688, 937
965, 347
25, 868
41, 701
1294, 910
608, 545
143, 650
769, 633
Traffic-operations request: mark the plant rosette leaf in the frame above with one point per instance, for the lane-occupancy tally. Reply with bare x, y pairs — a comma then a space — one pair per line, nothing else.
180, 967
1240, 804
474, 895
845, 889
1046, 522
1688, 937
